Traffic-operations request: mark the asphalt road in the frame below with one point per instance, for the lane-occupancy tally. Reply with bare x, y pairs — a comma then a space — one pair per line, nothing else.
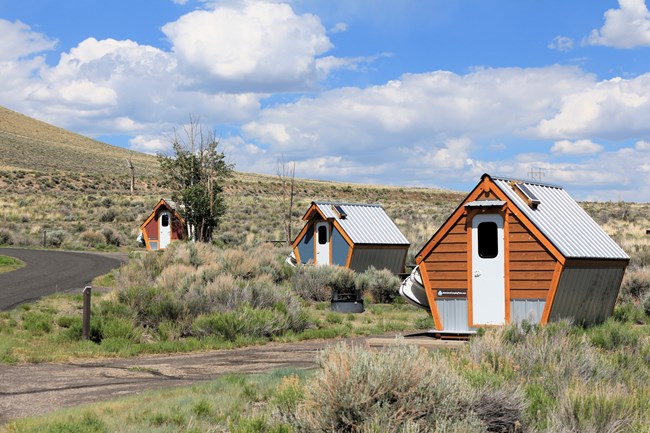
49, 272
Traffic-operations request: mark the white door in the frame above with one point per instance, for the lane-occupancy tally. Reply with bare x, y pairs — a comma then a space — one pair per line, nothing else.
165, 229
323, 244
488, 270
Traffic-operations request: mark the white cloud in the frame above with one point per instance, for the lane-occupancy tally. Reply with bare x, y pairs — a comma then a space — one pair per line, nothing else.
642, 146
561, 43
261, 46
616, 109
151, 145
578, 147
17, 41
627, 27
339, 28
417, 110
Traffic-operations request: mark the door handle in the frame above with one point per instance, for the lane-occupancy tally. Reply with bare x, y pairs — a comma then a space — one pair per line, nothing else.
477, 273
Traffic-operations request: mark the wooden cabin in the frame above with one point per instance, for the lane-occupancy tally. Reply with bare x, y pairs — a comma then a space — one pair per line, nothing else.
163, 226
519, 250
355, 236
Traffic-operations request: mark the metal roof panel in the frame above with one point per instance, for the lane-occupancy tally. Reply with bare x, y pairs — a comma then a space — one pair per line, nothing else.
365, 223
563, 221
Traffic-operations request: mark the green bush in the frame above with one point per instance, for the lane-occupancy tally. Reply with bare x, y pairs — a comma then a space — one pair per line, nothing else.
37, 322
613, 335
243, 323
381, 285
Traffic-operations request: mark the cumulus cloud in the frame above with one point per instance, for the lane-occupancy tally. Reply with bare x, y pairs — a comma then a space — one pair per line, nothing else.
627, 27
614, 109
561, 43
18, 41
416, 109
253, 45
21, 58
578, 147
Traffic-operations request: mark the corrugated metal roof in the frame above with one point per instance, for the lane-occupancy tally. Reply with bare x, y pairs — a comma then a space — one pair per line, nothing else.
561, 219
365, 223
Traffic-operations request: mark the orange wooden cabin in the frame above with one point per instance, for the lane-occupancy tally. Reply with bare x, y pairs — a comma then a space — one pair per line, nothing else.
163, 226
519, 250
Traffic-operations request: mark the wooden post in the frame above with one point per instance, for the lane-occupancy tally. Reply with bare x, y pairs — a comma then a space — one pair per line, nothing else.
44, 238
86, 313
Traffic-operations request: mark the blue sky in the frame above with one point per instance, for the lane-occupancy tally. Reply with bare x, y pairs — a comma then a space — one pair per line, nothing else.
418, 93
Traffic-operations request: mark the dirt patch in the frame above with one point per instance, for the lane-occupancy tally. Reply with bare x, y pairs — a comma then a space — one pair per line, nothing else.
34, 389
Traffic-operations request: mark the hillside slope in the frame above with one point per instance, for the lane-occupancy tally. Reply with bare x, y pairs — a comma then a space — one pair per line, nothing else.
29, 144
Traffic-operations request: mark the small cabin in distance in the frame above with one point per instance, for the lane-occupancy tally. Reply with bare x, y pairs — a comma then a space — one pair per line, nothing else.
353, 235
516, 250
162, 226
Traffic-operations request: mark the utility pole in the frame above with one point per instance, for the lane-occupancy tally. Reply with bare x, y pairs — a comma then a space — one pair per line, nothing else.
536, 175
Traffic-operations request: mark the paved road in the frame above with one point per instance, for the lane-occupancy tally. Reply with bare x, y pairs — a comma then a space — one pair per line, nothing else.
49, 272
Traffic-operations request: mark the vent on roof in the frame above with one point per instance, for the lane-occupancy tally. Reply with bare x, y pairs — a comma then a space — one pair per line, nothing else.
339, 210
525, 193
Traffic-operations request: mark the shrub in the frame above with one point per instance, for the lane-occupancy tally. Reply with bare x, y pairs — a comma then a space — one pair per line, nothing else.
112, 237
397, 389
108, 216
6, 237
55, 238
500, 408
636, 285
245, 322
90, 238
342, 279
598, 410
547, 355
646, 305
312, 283
613, 335
381, 285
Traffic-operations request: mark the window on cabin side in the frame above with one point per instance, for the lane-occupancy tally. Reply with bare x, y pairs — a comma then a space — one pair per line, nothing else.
488, 241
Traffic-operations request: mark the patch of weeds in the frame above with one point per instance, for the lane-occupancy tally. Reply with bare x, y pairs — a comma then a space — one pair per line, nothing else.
37, 322
89, 423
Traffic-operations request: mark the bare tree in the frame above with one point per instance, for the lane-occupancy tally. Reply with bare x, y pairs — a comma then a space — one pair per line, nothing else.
287, 175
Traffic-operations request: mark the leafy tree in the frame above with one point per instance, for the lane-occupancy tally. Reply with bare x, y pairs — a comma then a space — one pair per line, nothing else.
196, 173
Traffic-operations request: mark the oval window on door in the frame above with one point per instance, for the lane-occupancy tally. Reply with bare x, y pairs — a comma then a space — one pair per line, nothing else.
164, 220
322, 235
488, 241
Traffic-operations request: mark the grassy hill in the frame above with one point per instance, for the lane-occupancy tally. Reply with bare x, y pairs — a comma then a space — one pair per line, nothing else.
29, 144
77, 190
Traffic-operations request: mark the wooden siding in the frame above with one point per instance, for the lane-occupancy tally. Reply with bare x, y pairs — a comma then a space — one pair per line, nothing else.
447, 263
531, 265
